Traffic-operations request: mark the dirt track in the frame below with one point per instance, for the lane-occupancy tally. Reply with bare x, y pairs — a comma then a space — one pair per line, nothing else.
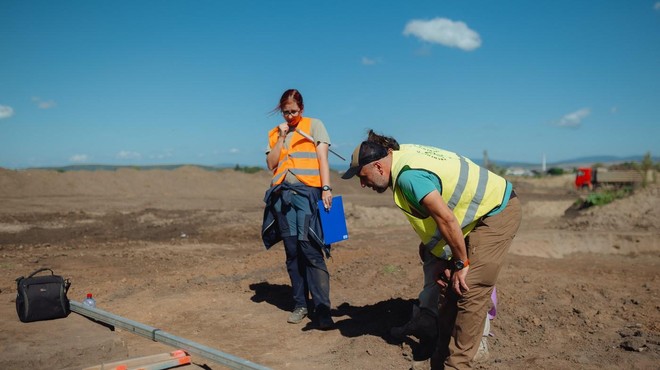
180, 250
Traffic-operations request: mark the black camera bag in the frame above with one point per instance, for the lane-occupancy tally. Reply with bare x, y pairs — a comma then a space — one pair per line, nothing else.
42, 297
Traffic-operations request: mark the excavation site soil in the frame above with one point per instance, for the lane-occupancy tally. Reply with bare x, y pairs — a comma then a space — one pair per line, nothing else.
180, 250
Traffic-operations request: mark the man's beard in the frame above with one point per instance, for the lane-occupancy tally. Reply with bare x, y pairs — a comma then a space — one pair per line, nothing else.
380, 190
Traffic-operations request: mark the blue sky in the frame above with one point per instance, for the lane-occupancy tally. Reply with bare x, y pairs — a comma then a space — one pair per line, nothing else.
174, 82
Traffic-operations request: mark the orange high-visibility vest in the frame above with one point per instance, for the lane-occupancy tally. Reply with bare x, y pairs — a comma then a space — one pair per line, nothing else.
299, 158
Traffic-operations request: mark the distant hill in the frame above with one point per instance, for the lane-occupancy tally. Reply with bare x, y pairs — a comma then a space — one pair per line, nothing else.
575, 162
108, 167
570, 163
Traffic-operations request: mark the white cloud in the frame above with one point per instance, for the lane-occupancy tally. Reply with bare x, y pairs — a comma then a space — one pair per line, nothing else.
6, 111
656, 6
614, 109
234, 151
79, 158
369, 61
164, 155
43, 104
46, 104
445, 32
125, 154
574, 119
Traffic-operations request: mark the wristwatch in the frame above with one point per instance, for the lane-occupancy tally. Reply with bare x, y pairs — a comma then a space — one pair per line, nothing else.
459, 264
326, 188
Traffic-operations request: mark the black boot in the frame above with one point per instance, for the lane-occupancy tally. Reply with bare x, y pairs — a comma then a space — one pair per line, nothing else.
423, 325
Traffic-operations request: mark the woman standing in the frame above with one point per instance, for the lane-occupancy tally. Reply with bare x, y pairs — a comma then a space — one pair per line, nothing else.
298, 158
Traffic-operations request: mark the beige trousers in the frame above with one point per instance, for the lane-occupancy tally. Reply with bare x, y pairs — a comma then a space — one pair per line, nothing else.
462, 318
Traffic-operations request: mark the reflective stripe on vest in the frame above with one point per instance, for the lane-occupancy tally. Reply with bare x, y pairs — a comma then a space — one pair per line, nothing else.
299, 158
470, 191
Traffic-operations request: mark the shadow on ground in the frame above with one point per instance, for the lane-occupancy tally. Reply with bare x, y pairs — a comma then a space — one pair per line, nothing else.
376, 319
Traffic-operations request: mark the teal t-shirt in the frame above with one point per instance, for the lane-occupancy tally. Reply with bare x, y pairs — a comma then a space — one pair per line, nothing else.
415, 185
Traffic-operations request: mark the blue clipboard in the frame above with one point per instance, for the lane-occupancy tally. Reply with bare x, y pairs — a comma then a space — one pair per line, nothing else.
333, 221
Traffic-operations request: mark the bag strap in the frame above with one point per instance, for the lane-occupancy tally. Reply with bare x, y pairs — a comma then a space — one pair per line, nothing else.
40, 270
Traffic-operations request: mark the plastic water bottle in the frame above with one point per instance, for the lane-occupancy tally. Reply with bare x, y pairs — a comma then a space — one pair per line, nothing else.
89, 301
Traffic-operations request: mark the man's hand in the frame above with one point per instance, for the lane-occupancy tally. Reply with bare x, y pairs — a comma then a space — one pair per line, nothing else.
442, 274
451, 232
458, 281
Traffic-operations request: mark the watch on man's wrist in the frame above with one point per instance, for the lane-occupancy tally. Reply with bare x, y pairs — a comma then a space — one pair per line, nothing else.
326, 188
460, 264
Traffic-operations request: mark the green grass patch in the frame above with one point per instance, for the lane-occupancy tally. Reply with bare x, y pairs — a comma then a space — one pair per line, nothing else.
248, 169
600, 198
391, 269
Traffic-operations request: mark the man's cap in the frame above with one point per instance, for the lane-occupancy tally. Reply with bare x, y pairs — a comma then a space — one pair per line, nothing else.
365, 153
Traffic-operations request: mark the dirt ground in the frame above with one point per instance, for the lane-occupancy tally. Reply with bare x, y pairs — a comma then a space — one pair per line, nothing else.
181, 251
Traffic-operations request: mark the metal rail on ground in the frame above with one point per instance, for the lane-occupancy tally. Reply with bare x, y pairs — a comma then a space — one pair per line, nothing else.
158, 335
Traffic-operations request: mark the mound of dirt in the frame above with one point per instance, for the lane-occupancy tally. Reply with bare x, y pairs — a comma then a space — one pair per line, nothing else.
638, 212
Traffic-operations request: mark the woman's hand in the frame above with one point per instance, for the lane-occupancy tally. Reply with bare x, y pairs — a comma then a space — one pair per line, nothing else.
284, 128
326, 195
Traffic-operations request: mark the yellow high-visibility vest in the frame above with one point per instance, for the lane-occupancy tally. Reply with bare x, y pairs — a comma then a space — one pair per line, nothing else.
469, 190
